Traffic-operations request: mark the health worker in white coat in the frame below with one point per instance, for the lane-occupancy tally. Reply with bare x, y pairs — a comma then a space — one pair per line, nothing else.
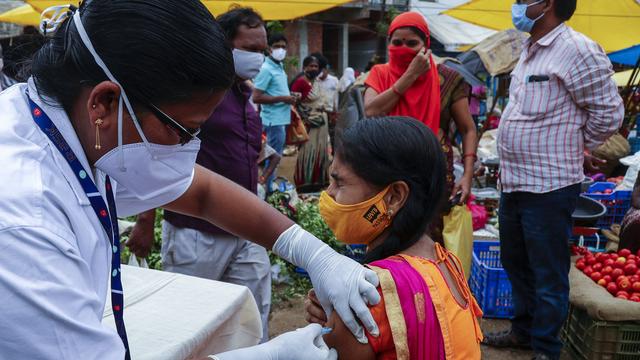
106, 126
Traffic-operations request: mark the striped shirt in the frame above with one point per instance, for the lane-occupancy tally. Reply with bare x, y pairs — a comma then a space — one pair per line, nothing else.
562, 100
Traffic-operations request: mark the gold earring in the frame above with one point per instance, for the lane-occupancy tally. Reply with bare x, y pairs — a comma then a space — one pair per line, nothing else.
99, 123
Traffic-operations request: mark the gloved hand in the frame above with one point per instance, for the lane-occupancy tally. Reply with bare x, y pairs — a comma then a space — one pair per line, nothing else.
339, 282
305, 343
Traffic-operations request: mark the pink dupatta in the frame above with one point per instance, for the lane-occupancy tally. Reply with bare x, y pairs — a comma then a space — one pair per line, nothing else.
412, 316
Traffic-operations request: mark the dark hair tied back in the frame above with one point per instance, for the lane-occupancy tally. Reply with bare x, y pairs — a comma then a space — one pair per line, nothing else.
161, 51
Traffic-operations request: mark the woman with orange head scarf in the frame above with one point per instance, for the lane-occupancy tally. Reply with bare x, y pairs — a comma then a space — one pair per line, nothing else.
408, 84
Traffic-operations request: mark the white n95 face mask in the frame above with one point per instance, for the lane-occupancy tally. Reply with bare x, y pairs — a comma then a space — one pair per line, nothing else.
152, 173
247, 63
279, 54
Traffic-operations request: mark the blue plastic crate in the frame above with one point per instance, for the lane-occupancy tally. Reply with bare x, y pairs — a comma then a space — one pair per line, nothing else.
617, 203
489, 282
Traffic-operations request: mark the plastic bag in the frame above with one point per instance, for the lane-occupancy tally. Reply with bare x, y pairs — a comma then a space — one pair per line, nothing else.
133, 261
478, 214
633, 162
458, 235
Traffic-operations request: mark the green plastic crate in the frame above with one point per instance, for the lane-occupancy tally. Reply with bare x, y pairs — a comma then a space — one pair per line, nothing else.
589, 339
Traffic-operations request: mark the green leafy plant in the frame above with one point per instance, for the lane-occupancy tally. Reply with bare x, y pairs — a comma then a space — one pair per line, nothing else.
275, 27
154, 259
382, 26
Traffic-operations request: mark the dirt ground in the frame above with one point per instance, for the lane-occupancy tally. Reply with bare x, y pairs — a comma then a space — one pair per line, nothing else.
289, 316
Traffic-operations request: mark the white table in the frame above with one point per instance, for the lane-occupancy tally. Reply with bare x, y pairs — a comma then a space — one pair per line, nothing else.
174, 316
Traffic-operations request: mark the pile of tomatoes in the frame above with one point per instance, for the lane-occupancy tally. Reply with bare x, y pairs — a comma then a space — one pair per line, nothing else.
619, 272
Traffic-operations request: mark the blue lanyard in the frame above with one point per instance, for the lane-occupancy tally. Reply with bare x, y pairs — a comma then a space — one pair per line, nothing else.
106, 213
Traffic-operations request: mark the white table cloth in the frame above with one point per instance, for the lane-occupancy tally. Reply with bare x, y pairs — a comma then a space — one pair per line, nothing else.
174, 316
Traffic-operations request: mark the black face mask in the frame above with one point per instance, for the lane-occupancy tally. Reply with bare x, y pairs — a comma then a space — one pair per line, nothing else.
312, 74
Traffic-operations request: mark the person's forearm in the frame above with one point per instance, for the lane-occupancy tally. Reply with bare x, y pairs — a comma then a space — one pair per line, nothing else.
386, 101
268, 99
229, 206
271, 168
469, 146
147, 217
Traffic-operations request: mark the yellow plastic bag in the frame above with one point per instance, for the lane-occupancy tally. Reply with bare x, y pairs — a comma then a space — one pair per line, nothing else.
458, 235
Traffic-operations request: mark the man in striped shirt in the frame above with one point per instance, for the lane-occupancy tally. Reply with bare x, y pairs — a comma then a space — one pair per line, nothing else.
562, 102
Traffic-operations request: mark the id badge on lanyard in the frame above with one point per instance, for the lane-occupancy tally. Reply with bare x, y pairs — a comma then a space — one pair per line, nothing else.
106, 212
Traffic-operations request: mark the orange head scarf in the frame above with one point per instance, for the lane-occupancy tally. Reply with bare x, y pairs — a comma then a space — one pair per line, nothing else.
422, 100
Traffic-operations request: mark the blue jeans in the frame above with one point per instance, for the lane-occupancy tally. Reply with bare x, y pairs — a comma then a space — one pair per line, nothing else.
276, 136
534, 241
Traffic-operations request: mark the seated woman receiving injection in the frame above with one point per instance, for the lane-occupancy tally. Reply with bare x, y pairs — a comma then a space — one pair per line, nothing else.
387, 183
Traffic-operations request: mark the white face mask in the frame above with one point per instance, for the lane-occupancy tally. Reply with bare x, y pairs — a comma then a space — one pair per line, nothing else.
247, 63
278, 54
155, 174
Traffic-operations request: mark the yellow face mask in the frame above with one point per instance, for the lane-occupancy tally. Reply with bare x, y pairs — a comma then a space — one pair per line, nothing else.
358, 223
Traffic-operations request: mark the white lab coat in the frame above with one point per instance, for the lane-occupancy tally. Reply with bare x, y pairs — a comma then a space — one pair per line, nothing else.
54, 254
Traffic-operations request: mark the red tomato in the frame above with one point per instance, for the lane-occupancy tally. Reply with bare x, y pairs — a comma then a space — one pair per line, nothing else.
620, 262
630, 269
580, 265
636, 286
616, 273
622, 296
623, 283
588, 271
632, 257
629, 261
607, 278
609, 262
596, 276
613, 256
635, 298
607, 270
632, 278
598, 267
624, 252
591, 260
602, 282
612, 288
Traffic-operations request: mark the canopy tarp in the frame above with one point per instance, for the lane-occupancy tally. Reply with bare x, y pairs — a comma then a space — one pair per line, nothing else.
610, 23
269, 9
450, 32
622, 78
22, 15
628, 56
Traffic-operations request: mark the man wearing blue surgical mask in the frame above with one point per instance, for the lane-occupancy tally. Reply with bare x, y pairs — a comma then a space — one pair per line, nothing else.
231, 143
563, 103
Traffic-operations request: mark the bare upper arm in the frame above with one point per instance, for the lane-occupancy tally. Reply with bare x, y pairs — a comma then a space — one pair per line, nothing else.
462, 115
345, 343
369, 95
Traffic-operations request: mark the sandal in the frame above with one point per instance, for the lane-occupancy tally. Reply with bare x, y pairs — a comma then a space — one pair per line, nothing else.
506, 339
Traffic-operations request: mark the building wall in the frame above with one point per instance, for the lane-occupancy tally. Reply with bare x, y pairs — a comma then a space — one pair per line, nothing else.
314, 41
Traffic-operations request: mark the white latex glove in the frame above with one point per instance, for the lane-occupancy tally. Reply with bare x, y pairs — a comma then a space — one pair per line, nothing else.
340, 283
305, 343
